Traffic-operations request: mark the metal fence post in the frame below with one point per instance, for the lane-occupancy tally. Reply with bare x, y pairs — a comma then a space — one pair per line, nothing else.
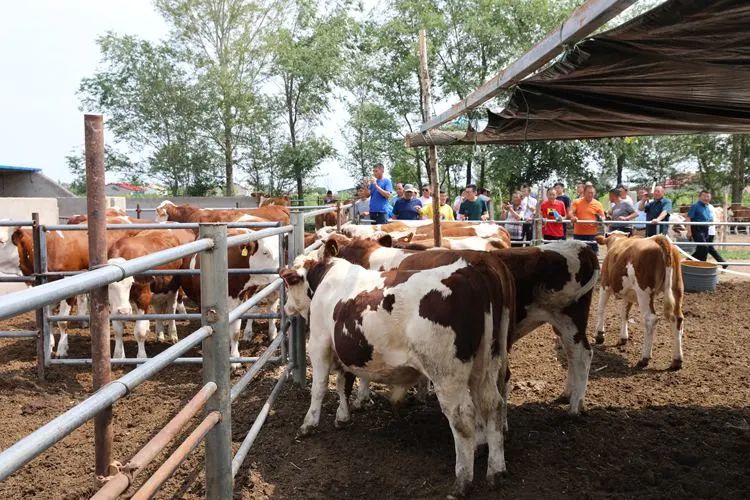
283, 260
137, 210
298, 323
216, 367
338, 216
42, 325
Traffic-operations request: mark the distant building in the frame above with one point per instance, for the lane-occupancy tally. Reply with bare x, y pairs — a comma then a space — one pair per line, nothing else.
29, 182
124, 189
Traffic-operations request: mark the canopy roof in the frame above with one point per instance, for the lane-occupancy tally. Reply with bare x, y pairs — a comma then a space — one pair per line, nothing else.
682, 67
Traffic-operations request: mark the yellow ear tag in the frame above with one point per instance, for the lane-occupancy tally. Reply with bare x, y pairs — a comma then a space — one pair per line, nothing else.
244, 252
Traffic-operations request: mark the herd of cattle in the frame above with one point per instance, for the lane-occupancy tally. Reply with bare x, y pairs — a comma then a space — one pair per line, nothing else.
385, 306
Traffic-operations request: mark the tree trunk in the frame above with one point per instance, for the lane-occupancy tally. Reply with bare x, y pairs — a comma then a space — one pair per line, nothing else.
482, 169
300, 192
418, 160
229, 187
620, 159
468, 170
738, 169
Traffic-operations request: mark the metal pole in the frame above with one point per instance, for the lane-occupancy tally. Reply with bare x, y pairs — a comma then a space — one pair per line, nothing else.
283, 260
40, 258
298, 323
138, 210
338, 216
216, 365
424, 82
96, 206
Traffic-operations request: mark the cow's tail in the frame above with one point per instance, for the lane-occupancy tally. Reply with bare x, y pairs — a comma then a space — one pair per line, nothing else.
672, 273
591, 283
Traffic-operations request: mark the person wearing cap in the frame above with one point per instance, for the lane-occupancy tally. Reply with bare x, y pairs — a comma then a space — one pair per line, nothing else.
623, 191
408, 207
623, 209
446, 212
380, 191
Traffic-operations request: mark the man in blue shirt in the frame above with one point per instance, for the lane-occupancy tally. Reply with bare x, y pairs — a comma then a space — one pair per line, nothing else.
700, 211
408, 207
380, 190
657, 210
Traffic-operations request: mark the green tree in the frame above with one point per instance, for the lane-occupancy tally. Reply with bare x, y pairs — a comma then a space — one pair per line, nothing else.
224, 41
152, 108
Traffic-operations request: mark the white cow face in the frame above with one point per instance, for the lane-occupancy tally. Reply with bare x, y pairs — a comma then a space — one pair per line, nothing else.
295, 278
119, 293
161, 211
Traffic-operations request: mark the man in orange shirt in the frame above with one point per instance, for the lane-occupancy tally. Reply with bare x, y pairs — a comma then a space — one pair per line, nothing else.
586, 208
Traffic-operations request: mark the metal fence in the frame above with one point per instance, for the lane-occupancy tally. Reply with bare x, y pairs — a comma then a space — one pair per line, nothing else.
216, 394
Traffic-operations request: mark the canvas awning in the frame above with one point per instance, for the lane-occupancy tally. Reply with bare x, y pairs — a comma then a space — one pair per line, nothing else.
683, 67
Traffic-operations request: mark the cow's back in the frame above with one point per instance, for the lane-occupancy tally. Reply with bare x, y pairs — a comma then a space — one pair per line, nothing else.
648, 258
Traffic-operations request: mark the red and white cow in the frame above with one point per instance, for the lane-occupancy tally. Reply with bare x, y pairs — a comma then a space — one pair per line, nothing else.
637, 270
241, 286
161, 291
554, 284
168, 211
449, 324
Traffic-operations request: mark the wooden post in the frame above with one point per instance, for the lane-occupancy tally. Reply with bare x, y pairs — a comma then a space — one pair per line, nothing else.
96, 205
424, 82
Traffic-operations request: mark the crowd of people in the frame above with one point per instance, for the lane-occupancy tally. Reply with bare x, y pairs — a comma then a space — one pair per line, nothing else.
379, 201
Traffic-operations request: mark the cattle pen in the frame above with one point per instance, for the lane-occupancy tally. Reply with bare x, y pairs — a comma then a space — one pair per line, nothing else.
216, 394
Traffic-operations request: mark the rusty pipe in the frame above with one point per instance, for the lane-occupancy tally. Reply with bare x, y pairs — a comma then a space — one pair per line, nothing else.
119, 483
96, 207
152, 485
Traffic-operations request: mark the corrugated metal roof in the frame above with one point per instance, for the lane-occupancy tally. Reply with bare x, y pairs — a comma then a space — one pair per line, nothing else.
12, 168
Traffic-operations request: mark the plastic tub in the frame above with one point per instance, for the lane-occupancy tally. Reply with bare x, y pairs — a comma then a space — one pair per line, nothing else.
699, 276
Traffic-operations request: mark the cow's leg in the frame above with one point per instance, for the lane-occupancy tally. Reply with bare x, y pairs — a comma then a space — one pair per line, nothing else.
180, 307
119, 329
158, 300
673, 312
455, 400
646, 304
141, 328
321, 358
272, 331
62, 345
571, 324
236, 329
83, 307
248, 333
490, 405
343, 416
626, 305
363, 393
171, 308
603, 298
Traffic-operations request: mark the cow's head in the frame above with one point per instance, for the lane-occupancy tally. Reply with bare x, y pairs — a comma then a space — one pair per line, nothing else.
162, 211
119, 292
302, 278
24, 244
611, 238
402, 240
6, 233
325, 232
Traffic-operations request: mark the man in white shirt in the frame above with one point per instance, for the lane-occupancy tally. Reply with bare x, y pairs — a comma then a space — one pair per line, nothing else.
528, 207
426, 197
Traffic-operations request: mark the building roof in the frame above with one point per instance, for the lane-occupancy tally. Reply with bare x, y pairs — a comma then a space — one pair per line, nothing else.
128, 186
13, 168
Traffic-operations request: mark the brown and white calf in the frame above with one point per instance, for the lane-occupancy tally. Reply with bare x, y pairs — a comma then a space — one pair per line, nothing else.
637, 270
66, 251
168, 211
252, 255
159, 291
554, 284
449, 324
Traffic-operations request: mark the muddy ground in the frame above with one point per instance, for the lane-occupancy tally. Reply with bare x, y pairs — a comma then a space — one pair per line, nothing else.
646, 433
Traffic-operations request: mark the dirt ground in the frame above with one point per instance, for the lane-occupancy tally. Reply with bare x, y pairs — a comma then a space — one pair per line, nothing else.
646, 433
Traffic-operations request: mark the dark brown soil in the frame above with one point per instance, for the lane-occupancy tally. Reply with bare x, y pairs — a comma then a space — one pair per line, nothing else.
646, 433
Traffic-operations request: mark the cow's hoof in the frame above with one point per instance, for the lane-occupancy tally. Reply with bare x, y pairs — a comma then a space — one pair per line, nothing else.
460, 489
305, 431
643, 363
495, 479
599, 338
340, 424
358, 404
562, 398
621, 342
676, 364
160, 337
174, 339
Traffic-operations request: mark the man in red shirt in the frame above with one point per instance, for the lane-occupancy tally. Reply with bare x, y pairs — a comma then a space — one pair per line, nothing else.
553, 210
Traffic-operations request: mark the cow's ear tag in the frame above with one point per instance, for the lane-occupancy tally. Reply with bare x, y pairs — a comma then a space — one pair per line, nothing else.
244, 251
